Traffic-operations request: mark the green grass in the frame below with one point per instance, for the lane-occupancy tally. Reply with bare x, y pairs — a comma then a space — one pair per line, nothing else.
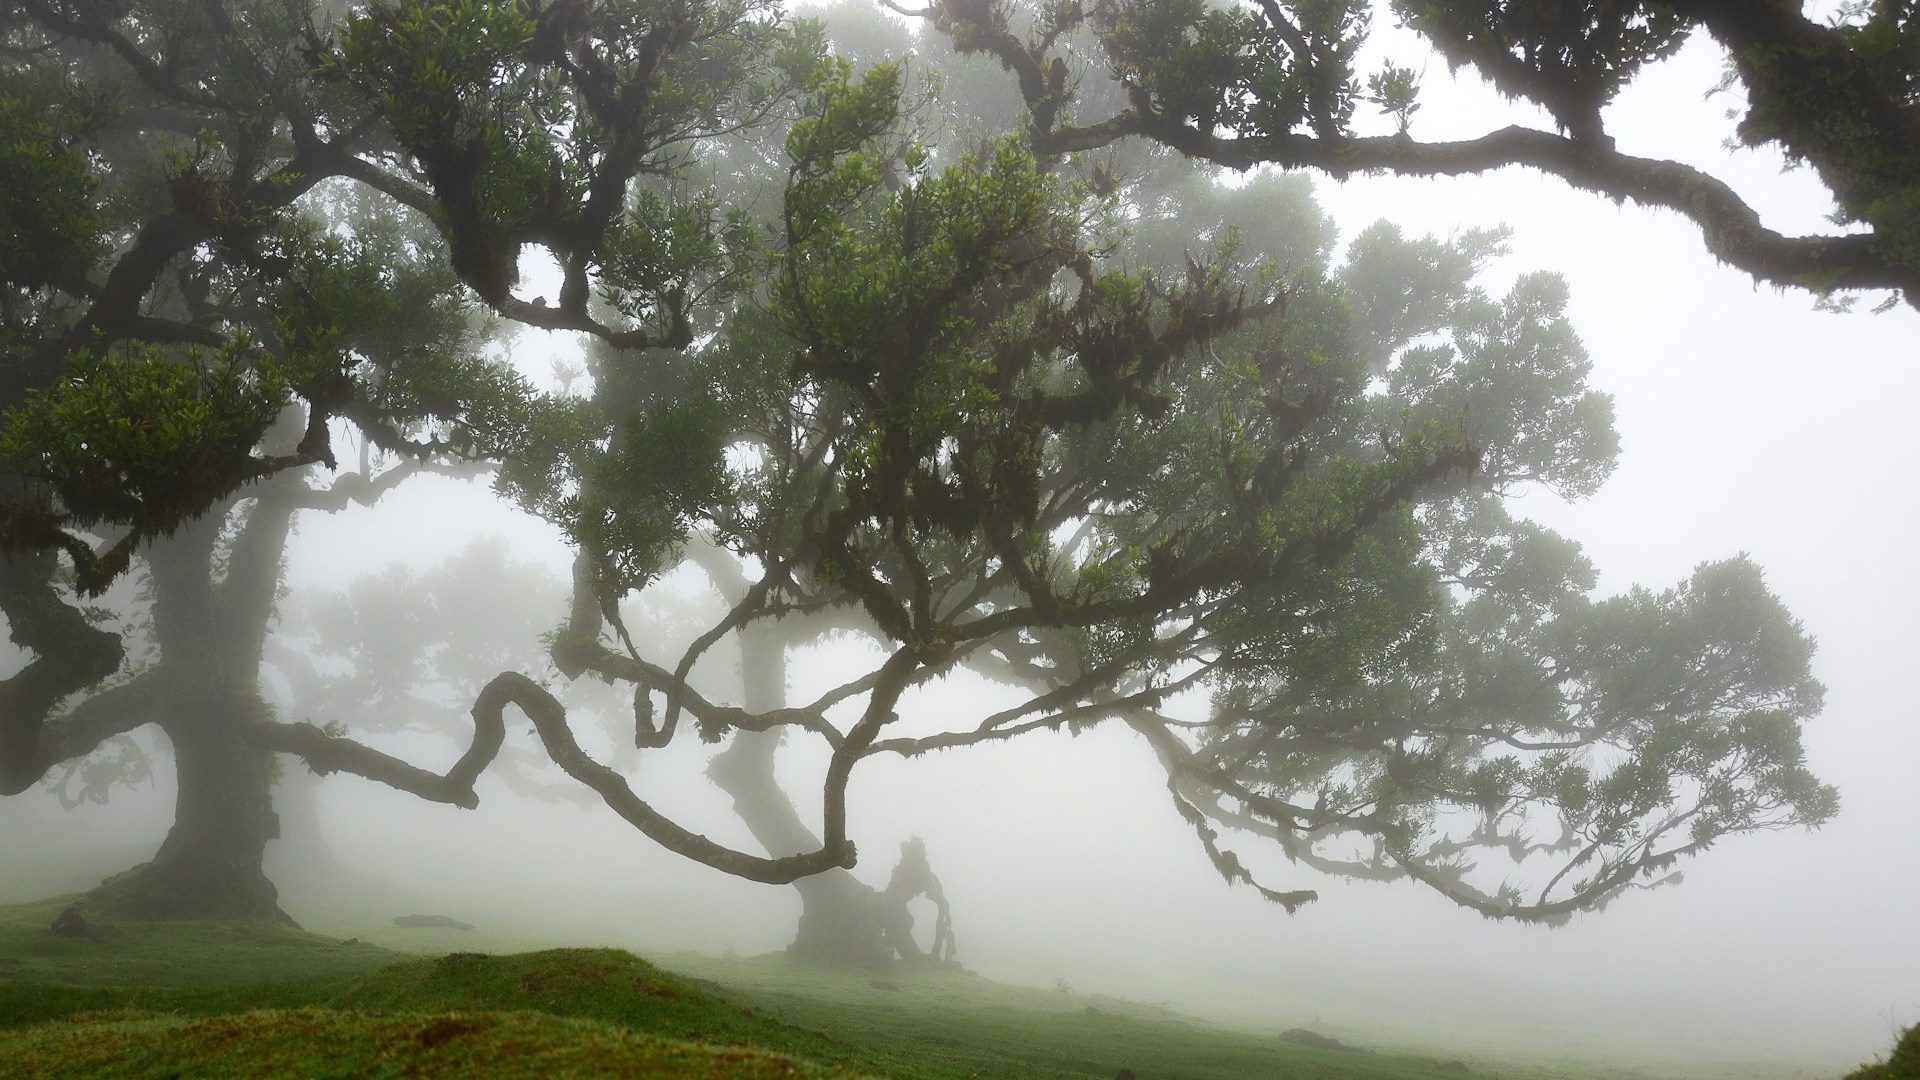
199, 967
957, 1024
319, 1042
258, 999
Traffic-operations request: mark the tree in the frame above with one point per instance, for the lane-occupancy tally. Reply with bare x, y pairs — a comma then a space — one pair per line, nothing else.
1274, 82
959, 426
237, 231
935, 402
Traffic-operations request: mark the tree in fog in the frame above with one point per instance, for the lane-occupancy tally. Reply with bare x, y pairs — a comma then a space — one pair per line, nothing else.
237, 232
1276, 83
968, 423
948, 394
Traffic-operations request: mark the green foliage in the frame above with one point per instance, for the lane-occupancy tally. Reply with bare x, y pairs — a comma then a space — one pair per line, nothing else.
1826, 102
977, 407
49, 225
1105, 426
1395, 90
1514, 383
453, 79
148, 437
1903, 1064
529, 125
1572, 58
627, 489
1230, 68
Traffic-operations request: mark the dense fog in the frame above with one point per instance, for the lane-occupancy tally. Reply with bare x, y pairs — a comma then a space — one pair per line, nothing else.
1750, 423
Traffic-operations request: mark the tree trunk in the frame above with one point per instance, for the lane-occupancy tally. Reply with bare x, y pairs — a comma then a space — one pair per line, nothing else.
210, 865
211, 633
839, 915
842, 920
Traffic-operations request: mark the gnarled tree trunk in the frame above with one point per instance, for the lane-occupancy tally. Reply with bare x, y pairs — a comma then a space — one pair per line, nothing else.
839, 915
205, 694
842, 920
210, 864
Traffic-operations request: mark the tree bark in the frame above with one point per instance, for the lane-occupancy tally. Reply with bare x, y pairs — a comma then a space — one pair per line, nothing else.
210, 865
211, 635
842, 919
839, 915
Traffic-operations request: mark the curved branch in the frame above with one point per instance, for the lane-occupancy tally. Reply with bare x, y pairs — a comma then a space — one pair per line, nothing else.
1731, 228
357, 489
1831, 75
574, 653
1227, 862
114, 711
1203, 789
550, 722
157, 77
328, 753
894, 677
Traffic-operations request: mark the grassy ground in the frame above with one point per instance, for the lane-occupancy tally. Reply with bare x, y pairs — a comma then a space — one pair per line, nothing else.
222, 999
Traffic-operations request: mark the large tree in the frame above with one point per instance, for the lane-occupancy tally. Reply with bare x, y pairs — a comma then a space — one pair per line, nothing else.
968, 425
937, 401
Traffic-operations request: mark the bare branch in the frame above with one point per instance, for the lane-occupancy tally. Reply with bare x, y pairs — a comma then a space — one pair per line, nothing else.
550, 722
325, 753
1731, 228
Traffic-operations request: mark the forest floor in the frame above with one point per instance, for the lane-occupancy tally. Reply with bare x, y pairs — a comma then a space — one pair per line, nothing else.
218, 999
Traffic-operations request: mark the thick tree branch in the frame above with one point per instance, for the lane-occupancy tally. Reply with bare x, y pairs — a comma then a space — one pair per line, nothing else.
1731, 229
114, 711
69, 654
89, 27
326, 753
549, 719
1810, 90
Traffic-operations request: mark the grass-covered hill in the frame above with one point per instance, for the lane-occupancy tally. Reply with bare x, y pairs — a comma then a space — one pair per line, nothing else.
260, 1000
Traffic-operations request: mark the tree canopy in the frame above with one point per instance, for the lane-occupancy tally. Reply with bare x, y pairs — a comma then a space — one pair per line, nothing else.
968, 397
971, 425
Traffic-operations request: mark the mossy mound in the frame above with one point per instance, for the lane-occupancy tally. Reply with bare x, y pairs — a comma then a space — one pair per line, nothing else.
560, 976
605, 985
325, 1042
597, 984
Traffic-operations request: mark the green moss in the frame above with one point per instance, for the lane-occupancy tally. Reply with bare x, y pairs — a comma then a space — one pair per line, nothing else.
607, 985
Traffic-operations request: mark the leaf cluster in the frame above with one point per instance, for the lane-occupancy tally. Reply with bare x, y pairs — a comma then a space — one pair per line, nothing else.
141, 438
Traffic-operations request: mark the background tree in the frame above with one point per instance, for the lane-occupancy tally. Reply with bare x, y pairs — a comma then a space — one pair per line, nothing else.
401, 654
1168, 200
1275, 82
